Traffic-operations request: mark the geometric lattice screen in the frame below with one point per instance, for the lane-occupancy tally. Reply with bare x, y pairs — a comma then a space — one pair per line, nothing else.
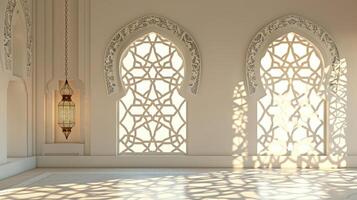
291, 116
152, 114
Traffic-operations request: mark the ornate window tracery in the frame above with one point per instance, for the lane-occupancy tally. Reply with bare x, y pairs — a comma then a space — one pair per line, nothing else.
319, 113
291, 116
158, 23
152, 114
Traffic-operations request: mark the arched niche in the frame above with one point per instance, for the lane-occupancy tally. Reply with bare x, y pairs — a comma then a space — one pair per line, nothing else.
18, 57
75, 136
143, 25
17, 136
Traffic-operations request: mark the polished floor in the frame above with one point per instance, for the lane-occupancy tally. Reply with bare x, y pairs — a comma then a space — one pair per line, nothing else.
252, 184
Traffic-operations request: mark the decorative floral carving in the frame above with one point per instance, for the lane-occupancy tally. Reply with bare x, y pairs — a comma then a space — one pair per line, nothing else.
140, 24
9, 12
284, 22
8, 33
26, 7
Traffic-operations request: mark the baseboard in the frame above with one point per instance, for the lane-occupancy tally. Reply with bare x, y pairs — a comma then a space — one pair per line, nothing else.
18, 165
15, 166
63, 149
191, 161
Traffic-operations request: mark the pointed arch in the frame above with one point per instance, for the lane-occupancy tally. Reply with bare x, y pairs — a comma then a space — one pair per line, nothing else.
291, 22
8, 33
333, 81
143, 23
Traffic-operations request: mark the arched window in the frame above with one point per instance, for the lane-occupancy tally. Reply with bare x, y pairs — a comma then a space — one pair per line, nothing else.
296, 75
152, 113
158, 61
291, 115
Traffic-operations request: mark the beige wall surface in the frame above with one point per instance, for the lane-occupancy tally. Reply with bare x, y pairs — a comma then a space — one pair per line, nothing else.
222, 29
16, 119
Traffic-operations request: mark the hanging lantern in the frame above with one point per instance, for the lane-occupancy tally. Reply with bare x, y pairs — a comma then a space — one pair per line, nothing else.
66, 108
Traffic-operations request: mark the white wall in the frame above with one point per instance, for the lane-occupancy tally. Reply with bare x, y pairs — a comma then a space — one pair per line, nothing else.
223, 31
3, 121
16, 119
3, 91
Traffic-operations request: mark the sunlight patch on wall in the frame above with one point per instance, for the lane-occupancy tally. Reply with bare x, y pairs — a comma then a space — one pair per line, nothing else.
291, 116
240, 120
240, 125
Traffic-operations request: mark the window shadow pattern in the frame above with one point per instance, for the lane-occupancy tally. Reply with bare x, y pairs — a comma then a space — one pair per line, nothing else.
291, 115
253, 184
336, 145
240, 120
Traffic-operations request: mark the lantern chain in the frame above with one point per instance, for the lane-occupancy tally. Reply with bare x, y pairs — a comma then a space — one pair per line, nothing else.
66, 39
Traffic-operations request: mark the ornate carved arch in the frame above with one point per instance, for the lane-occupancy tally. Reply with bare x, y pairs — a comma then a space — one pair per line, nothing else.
336, 148
292, 21
9, 12
140, 24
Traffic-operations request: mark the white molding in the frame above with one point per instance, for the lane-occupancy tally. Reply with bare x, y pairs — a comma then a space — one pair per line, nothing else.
84, 68
63, 149
290, 22
141, 24
51, 84
15, 166
33, 84
178, 161
28, 16
9, 12
39, 82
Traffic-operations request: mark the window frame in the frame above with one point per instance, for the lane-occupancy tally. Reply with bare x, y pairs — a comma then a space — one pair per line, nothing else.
336, 91
164, 26
261, 91
122, 93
